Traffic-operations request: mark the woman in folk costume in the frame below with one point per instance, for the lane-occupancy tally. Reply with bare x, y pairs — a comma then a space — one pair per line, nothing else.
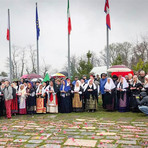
52, 101
91, 96
40, 108
122, 95
135, 89
77, 102
65, 97
109, 95
83, 97
146, 84
58, 85
14, 105
31, 99
22, 99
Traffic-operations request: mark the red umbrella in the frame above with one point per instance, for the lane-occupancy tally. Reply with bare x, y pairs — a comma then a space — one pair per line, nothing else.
31, 76
123, 74
118, 68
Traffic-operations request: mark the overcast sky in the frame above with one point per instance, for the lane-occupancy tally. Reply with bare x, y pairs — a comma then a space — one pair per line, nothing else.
129, 20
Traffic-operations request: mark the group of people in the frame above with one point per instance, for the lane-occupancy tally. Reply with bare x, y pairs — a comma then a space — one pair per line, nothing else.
63, 96
129, 93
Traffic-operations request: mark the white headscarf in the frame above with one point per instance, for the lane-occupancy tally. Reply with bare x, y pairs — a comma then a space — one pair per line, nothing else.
109, 86
23, 91
77, 88
38, 89
125, 84
86, 85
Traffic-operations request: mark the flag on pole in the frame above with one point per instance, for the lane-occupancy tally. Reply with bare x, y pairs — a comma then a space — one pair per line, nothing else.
106, 10
69, 19
37, 24
8, 32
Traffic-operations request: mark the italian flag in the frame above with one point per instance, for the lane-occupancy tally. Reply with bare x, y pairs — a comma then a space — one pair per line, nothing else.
8, 33
69, 19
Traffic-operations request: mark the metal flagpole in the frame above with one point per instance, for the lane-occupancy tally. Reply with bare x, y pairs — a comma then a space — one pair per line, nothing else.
68, 55
108, 53
10, 62
37, 35
37, 57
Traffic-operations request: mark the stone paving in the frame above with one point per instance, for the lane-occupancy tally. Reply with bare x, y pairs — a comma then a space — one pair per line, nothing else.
51, 131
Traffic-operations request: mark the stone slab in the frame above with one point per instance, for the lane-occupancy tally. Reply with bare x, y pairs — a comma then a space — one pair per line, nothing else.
80, 142
31, 145
20, 140
126, 142
50, 146
35, 141
106, 134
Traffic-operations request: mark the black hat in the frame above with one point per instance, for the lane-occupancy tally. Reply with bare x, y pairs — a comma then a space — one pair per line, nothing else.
115, 77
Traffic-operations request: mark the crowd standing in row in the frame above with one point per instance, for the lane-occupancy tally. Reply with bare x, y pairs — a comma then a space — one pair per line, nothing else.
62, 96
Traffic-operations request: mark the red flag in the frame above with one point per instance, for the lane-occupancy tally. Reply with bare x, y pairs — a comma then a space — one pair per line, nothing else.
8, 33
106, 10
69, 19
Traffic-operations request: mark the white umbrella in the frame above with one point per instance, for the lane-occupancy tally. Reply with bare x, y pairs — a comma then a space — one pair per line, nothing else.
36, 79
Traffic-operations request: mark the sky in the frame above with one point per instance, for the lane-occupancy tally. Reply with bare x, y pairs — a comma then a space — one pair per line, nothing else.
129, 22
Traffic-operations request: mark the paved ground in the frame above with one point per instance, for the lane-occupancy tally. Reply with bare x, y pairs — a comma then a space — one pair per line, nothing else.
75, 130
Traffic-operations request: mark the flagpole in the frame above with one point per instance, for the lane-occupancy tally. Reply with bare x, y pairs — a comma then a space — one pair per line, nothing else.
10, 62
69, 29
37, 57
107, 52
68, 55
37, 45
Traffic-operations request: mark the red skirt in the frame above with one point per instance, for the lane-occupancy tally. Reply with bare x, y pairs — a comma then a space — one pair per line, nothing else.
14, 105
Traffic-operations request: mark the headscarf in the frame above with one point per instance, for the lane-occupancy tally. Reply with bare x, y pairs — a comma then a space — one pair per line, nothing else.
109, 86
38, 89
77, 88
125, 84
65, 88
23, 91
93, 85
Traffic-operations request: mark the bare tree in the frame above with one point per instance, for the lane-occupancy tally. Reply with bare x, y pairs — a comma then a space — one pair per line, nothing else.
45, 68
31, 60
15, 61
116, 49
22, 61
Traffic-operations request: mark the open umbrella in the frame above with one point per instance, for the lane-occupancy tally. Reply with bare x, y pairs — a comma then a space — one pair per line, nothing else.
64, 73
31, 76
59, 75
36, 79
118, 68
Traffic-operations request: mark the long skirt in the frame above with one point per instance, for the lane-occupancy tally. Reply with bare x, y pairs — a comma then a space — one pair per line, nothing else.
66, 104
2, 106
109, 101
123, 101
91, 103
40, 105
77, 103
22, 105
52, 104
133, 104
31, 105
14, 105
